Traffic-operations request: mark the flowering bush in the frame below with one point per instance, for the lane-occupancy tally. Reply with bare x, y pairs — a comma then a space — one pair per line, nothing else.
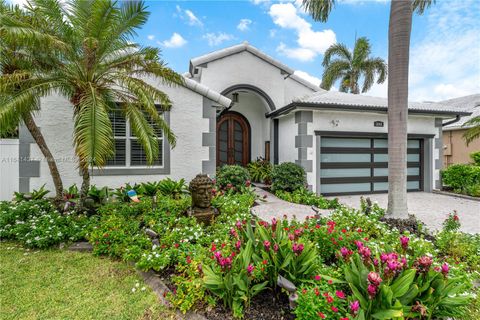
304, 196
232, 177
38, 224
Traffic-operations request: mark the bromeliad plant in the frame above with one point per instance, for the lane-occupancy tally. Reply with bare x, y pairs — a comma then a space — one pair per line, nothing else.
388, 286
173, 189
234, 277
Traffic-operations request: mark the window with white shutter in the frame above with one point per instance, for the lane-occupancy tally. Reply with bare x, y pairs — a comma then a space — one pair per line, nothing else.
129, 153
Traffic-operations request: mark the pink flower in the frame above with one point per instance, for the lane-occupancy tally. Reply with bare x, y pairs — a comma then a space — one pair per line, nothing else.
374, 278
321, 315
238, 245
238, 224
250, 269
266, 244
346, 253
354, 306
404, 242
365, 252
291, 237
375, 262
423, 264
318, 278
248, 183
372, 290
359, 244
445, 269
234, 233
297, 248
340, 294
275, 247
334, 309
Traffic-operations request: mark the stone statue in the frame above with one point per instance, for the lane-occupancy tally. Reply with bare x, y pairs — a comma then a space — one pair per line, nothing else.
201, 190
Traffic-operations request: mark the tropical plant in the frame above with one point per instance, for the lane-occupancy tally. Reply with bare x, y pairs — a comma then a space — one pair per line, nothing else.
475, 156
473, 131
172, 188
232, 279
289, 177
98, 69
461, 177
150, 188
351, 67
34, 195
398, 58
232, 177
14, 59
260, 171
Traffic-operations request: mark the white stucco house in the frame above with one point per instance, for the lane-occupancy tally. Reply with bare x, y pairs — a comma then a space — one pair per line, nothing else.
239, 104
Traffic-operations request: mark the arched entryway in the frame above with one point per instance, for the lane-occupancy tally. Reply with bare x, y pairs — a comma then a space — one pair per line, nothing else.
233, 139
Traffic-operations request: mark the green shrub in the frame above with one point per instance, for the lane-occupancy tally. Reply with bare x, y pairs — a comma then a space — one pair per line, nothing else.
475, 157
234, 176
307, 197
462, 177
34, 195
172, 188
289, 177
38, 224
260, 171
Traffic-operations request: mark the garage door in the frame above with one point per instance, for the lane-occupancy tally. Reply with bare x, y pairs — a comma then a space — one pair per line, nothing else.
360, 165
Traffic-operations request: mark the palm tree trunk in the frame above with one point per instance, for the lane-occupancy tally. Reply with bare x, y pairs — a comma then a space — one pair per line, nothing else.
398, 58
40, 141
85, 186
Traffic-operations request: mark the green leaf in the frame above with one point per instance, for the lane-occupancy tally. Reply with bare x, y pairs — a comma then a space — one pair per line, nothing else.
408, 297
258, 287
359, 296
402, 284
388, 314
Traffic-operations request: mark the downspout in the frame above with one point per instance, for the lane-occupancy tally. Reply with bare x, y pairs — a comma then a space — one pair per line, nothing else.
457, 118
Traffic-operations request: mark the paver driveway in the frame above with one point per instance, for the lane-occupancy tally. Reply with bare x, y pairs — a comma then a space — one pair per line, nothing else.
431, 208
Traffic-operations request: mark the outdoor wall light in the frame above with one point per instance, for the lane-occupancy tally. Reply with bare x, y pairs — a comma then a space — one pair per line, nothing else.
235, 97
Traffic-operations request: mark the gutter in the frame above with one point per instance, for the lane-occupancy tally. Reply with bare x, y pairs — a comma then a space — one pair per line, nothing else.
457, 118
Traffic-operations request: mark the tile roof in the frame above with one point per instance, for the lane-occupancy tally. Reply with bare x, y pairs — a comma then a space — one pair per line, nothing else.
207, 92
341, 100
469, 103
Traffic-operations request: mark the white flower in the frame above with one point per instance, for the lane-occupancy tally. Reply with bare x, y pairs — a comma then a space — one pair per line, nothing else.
134, 289
137, 284
143, 288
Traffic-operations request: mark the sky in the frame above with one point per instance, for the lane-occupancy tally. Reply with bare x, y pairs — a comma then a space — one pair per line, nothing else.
444, 52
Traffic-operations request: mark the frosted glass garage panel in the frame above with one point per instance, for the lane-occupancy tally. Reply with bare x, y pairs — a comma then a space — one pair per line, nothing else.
341, 172
383, 172
380, 157
380, 143
413, 157
345, 187
345, 143
345, 157
413, 185
413, 144
380, 186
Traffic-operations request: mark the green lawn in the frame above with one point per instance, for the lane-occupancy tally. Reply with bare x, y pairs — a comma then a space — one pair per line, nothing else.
59, 284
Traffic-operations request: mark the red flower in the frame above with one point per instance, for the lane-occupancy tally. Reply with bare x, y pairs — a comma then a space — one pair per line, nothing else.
340, 294
321, 315
329, 299
318, 278
330, 281
317, 292
334, 309
265, 262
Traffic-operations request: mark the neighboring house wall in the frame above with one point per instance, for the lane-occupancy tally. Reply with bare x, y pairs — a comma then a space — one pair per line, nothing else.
455, 150
192, 119
9, 168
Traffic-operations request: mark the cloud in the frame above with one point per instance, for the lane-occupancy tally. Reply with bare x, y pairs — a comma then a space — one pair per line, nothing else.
444, 62
272, 33
310, 43
304, 75
189, 16
214, 39
257, 2
176, 41
244, 24
301, 54
151, 37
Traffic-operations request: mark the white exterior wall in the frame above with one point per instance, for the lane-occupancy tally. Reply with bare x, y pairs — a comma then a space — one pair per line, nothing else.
9, 166
246, 68
287, 130
186, 121
363, 122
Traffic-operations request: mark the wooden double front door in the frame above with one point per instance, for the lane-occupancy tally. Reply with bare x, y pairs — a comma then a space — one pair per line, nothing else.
233, 139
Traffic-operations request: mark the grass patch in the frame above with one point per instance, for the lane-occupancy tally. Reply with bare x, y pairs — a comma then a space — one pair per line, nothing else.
59, 284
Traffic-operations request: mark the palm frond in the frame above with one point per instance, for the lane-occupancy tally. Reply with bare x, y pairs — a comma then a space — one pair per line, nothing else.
334, 71
472, 133
361, 51
93, 135
338, 49
419, 6
319, 9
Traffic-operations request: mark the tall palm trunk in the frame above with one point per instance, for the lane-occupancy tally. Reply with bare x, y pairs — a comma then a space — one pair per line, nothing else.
85, 185
398, 57
40, 141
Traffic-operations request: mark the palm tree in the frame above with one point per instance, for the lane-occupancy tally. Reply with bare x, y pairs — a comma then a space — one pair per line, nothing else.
13, 60
349, 67
473, 132
100, 70
398, 59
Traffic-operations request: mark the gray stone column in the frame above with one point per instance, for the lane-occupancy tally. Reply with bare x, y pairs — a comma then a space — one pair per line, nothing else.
438, 144
209, 139
303, 140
